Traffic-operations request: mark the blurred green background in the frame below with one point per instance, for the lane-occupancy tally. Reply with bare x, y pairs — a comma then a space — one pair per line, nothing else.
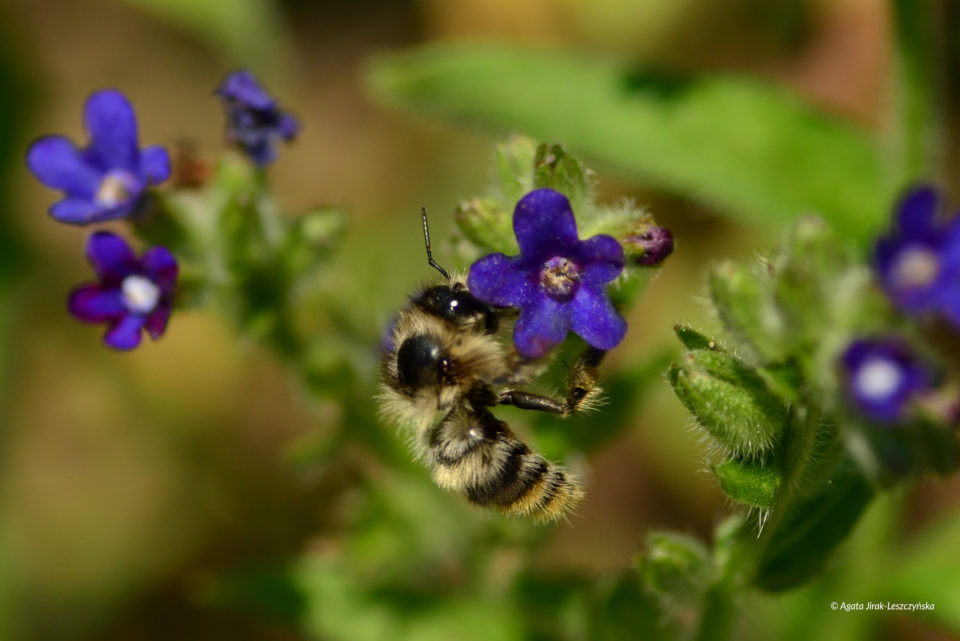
131, 482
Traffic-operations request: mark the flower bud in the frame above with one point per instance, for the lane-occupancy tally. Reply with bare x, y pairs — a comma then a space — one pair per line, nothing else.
311, 238
746, 309
730, 401
487, 224
515, 167
649, 246
555, 169
674, 567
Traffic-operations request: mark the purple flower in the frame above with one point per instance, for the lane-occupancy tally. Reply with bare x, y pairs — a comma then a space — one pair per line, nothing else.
132, 293
919, 263
106, 179
558, 281
882, 376
254, 122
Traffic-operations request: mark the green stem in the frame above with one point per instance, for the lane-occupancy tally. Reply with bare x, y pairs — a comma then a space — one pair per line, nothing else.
717, 615
916, 92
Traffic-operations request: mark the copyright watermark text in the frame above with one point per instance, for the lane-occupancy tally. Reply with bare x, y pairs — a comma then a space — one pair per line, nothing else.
881, 606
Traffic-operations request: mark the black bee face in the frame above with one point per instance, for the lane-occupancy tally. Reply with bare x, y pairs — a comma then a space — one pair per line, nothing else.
457, 305
422, 362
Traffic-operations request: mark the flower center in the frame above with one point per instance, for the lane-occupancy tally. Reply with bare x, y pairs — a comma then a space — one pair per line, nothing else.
140, 295
878, 378
559, 276
116, 188
915, 267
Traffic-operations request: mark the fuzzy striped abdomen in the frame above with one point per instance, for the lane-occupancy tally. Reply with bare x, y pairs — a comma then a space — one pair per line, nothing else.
475, 454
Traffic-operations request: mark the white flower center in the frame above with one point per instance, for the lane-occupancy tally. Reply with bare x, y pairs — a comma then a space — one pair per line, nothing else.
116, 188
878, 378
914, 267
140, 295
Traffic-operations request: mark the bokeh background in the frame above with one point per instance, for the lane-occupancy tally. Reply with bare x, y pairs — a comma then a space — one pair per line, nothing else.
130, 483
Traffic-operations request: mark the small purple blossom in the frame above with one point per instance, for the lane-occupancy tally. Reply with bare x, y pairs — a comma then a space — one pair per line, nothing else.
254, 121
882, 376
558, 281
919, 263
106, 179
656, 243
131, 293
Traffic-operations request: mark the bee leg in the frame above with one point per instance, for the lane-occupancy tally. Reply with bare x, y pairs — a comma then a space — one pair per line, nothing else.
582, 380
528, 401
580, 385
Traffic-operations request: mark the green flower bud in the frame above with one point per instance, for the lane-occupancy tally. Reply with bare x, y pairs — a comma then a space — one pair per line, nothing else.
554, 168
487, 224
675, 568
746, 309
311, 238
730, 401
515, 168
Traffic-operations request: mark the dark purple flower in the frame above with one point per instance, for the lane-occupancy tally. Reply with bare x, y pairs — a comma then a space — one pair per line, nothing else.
919, 263
882, 376
254, 122
655, 244
132, 293
558, 281
106, 179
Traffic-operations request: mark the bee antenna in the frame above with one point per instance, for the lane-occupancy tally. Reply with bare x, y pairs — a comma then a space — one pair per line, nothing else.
426, 242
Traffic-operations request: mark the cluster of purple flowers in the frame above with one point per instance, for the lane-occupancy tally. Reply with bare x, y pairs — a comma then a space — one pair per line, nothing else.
918, 267
109, 179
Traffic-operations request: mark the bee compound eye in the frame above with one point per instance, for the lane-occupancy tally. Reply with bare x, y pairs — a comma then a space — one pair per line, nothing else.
420, 360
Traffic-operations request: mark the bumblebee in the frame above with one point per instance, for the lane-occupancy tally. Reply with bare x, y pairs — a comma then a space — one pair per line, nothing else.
444, 369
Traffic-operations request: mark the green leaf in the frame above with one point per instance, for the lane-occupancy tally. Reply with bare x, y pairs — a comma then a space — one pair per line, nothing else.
814, 524
242, 31
752, 150
749, 482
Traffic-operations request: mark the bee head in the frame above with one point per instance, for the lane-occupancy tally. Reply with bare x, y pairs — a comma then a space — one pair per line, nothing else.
422, 362
456, 305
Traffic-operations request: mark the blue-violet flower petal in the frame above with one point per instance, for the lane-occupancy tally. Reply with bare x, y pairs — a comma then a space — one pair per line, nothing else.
918, 264
254, 121
558, 281
132, 294
106, 179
